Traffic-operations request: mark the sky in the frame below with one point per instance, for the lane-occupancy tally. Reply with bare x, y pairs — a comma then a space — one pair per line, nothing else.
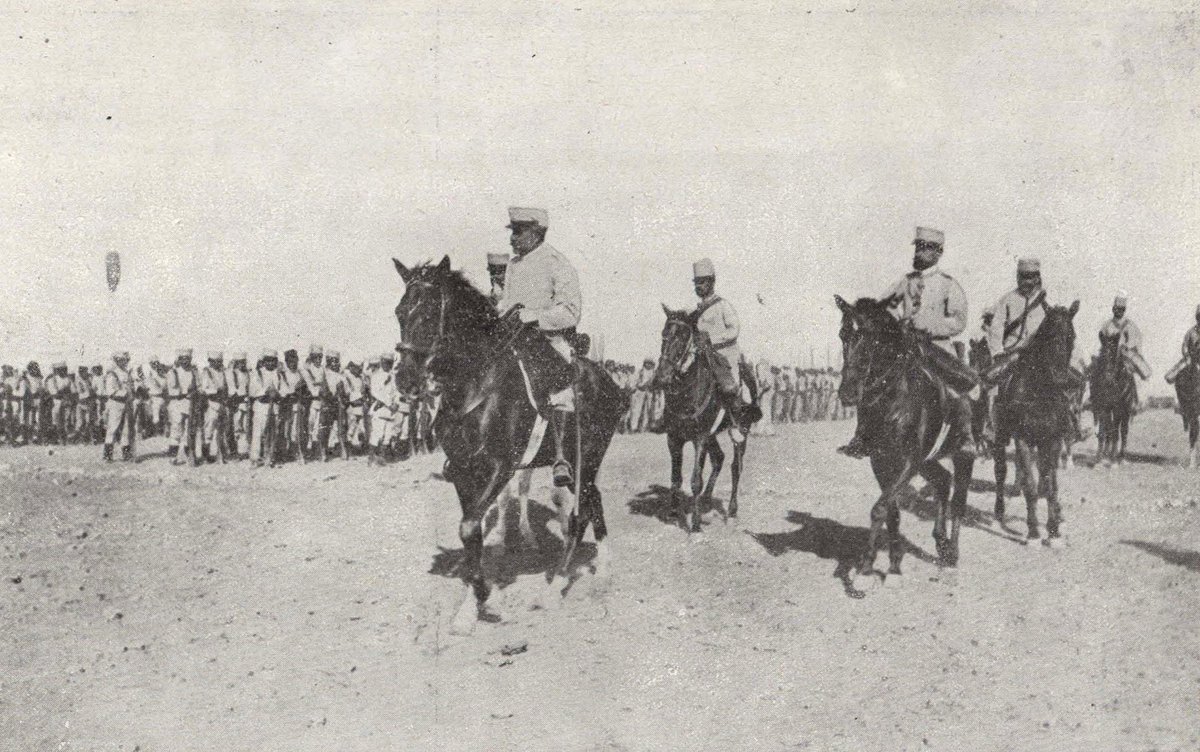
257, 165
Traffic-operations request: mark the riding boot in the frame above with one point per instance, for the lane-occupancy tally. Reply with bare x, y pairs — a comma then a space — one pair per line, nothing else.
173, 451
736, 409
108, 452
126, 454
562, 468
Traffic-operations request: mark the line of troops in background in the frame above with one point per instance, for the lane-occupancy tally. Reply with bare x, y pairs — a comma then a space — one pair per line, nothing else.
786, 394
276, 411
282, 409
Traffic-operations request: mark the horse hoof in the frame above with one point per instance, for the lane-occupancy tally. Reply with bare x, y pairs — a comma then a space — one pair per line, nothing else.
1055, 542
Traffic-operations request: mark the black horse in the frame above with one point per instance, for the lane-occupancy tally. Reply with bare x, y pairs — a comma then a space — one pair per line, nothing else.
1033, 408
979, 357
1187, 391
694, 413
908, 425
450, 330
1114, 397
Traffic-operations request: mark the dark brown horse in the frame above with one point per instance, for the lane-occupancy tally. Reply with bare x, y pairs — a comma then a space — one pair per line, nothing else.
694, 413
1114, 398
1033, 408
908, 425
979, 357
1187, 391
452, 332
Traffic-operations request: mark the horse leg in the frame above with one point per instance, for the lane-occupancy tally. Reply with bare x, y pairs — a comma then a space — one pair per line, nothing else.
964, 466
675, 447
593, 503
701, 447
470, 532
895, 542
735, 474
1000, 466
718, 462
1029, 485
1193, 444
940, 478
1125, 438
524, 482
1049, 484
890, 482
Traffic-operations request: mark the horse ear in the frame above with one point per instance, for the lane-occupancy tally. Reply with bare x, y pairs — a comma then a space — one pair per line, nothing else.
845, 307
444, 265
892, 300
665, 309
1074, 309
404, 271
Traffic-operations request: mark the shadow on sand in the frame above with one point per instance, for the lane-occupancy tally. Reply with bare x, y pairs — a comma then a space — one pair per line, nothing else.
517, 560
830, 539
1189, 560
656, 502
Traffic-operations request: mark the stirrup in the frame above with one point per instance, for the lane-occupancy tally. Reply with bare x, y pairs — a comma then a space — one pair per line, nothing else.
562, 474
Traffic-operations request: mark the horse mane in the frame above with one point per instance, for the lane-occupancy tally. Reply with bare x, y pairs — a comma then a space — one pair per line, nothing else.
478, 312
1044, 337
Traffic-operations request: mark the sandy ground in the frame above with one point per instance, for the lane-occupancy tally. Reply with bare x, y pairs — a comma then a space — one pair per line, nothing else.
147, 607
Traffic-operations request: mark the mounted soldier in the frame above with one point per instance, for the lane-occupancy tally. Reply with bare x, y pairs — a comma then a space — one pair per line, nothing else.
717, 330
542, 286
932, 303
1017, 316
1190, 351
1128, 334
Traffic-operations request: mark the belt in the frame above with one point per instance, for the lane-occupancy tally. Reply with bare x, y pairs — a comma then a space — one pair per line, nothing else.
118, 399
261, 399
355, 403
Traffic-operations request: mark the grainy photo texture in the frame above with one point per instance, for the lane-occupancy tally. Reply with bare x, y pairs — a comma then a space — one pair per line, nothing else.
599, 376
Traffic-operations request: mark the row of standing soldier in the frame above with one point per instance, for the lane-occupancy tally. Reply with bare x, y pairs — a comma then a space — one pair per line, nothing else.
270, 413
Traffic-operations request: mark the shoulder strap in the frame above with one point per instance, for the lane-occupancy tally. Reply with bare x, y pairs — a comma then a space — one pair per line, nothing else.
1039, 300
700, 309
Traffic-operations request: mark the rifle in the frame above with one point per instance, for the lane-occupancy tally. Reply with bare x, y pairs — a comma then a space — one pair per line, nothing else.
342, 401
222, 399
269, 429
195, 421
129, 421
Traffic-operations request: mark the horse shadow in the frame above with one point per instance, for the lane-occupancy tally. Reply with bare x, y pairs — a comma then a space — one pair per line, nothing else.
829, 539
1189, 560
517, 559
657, 502
923, 505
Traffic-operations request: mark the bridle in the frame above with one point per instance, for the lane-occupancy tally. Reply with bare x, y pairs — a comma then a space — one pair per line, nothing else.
681, 364
867, 381
426, 352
